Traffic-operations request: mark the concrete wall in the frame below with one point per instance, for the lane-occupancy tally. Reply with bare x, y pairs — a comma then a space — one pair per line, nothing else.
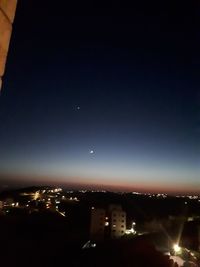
7, 13
97, 226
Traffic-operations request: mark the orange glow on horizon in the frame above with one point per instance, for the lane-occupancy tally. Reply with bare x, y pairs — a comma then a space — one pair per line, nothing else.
101, 184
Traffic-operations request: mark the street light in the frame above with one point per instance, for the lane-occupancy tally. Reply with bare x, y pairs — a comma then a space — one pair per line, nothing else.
177, 248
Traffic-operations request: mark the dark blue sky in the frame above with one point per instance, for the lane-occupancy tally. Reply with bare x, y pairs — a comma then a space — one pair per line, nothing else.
132, 70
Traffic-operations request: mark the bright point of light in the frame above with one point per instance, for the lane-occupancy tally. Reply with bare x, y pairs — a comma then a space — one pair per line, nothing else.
132, 230
36, 196
176, 248
91, 151
127, 232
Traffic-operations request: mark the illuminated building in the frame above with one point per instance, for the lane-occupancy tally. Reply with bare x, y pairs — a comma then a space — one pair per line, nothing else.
110, 223
7, 13
117, 221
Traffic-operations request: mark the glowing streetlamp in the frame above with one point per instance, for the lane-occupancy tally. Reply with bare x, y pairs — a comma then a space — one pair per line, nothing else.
177, 248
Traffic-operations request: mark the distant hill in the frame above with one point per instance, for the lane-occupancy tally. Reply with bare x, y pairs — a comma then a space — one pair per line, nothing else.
16, 192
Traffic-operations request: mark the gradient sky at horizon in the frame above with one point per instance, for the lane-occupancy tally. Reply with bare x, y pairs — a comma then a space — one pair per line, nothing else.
121, 82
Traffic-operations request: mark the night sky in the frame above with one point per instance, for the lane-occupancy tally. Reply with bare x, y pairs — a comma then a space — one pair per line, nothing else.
103, 95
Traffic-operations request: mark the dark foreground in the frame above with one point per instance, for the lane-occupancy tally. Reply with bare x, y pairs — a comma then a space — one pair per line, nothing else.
45, 241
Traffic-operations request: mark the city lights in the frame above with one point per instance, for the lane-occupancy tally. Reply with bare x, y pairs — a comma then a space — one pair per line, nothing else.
132, 230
